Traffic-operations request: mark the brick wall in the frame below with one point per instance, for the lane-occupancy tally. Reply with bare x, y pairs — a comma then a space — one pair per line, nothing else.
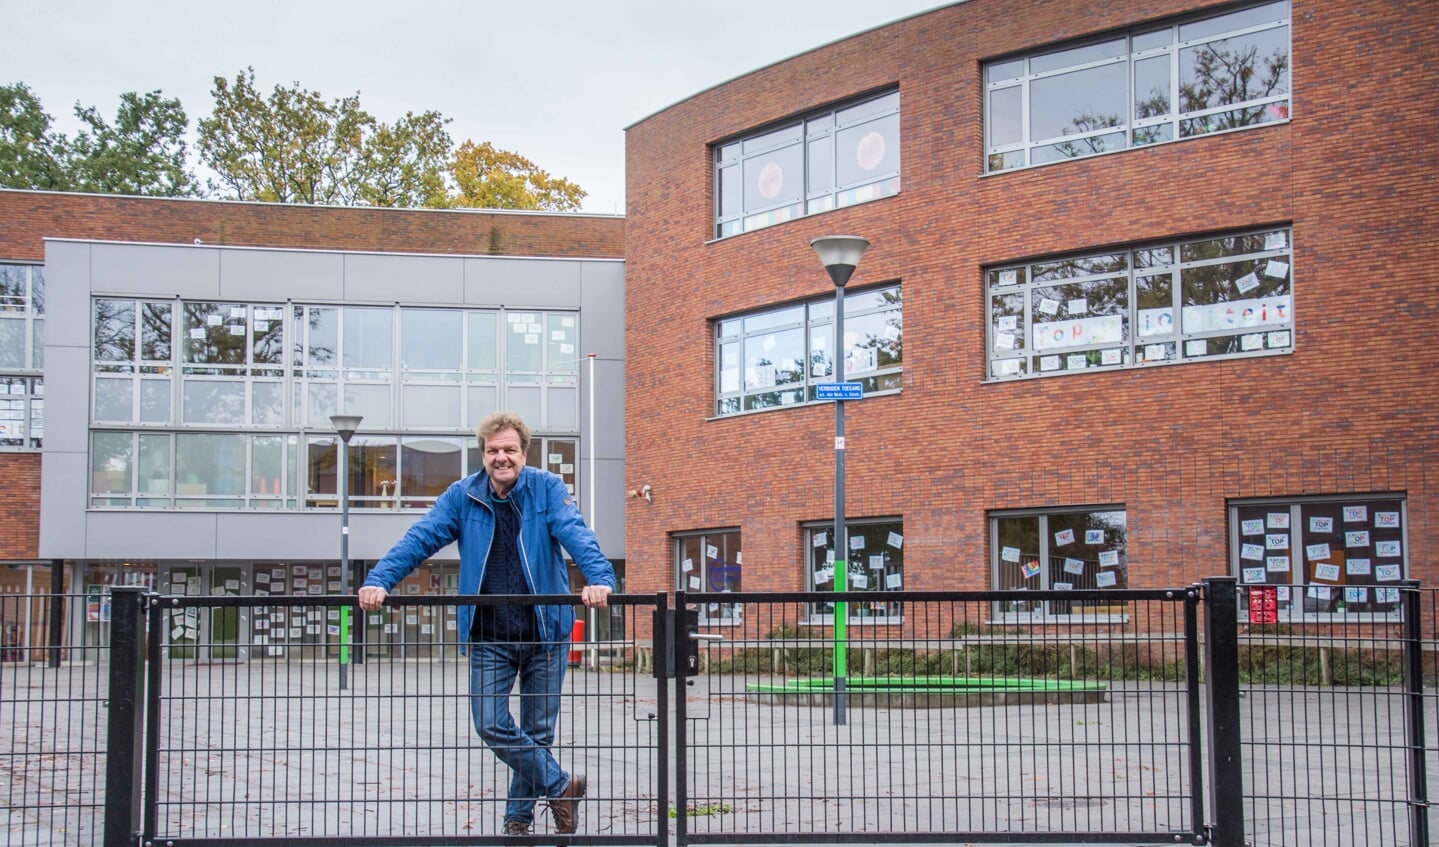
30, 216
20, 514
1352, 410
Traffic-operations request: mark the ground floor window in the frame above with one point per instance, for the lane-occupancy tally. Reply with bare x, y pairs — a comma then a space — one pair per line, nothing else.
1060, 549
711, 561
1344, 554
874, 563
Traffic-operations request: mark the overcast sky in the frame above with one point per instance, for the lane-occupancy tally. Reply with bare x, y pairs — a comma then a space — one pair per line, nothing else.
554, 80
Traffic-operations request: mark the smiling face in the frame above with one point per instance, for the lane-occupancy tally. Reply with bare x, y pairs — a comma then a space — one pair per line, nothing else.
504, 458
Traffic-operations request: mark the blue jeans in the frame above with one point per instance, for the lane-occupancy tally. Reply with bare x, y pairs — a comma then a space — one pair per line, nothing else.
524, 748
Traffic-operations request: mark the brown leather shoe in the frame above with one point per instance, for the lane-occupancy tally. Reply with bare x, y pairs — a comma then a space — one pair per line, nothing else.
566, 807
518, 828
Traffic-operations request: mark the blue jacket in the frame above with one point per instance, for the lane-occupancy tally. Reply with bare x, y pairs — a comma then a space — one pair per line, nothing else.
549, 520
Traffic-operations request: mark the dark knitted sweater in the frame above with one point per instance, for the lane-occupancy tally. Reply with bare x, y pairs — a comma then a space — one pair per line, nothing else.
504, 574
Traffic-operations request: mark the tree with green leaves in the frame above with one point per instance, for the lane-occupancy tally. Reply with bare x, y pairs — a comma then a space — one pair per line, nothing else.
143, 153
290, 146
296, 147
31, 155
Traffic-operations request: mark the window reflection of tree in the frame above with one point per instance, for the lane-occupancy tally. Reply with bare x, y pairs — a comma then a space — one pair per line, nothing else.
114, 330
156, 330
1221, 75
216, 345
1217, 74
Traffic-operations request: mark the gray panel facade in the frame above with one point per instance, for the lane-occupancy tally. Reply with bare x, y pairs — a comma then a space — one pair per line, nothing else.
437, 280
524, 283
281, 275
78, 271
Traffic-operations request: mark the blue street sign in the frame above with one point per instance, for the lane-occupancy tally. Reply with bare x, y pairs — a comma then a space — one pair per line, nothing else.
838, 390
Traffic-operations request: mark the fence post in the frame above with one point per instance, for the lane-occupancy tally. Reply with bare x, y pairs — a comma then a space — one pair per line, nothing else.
1221, 688
1413, 609
57, 610
1193, 674
659, 633
123, 774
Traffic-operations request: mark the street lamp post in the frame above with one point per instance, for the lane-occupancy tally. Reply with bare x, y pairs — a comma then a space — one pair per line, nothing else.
345, 425
840, 255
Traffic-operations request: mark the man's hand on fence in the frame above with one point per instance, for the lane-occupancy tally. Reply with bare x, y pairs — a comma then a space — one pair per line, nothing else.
595, 596
372, 597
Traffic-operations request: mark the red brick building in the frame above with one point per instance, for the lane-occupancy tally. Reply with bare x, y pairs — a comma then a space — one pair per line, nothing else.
31, 217
1167, 272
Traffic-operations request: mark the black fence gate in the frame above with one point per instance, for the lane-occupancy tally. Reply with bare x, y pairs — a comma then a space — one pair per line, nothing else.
932, 718
1128, 717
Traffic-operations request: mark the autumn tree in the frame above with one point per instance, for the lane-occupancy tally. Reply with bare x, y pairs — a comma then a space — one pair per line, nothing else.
490, 178
296, 147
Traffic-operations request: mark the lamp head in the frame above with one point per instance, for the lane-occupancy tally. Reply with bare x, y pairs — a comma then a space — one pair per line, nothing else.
840, 255
346, 425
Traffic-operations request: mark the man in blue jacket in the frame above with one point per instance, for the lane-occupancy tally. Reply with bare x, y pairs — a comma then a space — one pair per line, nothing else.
510, 522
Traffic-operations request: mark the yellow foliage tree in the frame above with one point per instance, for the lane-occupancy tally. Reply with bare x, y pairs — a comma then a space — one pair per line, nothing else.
489, 178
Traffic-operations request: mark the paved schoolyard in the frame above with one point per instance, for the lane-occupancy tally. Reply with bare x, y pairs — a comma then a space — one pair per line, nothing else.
258, 749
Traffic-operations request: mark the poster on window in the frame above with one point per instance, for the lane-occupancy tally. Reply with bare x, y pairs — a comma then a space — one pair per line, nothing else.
1057, 335
1237, 314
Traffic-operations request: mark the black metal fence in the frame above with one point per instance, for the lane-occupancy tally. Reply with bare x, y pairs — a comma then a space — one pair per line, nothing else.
53, 720
1337, 721
935, 721
1142, 716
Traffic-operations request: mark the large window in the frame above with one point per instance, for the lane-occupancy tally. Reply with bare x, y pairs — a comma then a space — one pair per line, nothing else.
232, 364
134, 361
1326, 555
822, 161
1152, 84
711, 562
22, 412
1059, 550
1157, 304
22, 317
22, 356
874, 563
194, 470
422, 374
775, 357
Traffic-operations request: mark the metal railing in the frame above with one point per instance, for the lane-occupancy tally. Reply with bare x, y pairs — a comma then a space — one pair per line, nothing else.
1142, 716
53, 720
954, 728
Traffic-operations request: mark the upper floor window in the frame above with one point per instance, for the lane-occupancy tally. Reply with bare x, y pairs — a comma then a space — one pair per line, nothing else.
22, 317
776, 356
1158, 304
22, 412
822, 161
248, 365
1148, 85
232, 470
